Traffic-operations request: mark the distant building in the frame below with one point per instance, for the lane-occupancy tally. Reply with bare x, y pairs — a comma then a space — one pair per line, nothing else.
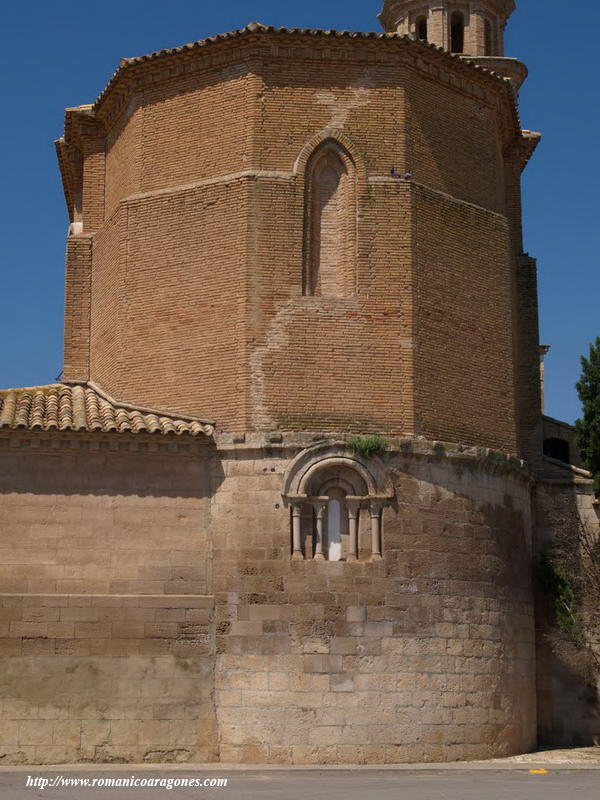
281, 242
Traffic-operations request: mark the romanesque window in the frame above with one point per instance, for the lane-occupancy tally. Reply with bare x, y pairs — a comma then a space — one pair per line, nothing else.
336, 504
330, 223
422, 29
457, 32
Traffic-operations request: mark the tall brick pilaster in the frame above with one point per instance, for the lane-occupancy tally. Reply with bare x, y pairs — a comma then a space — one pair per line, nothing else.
93, 182
529, 400
77, 308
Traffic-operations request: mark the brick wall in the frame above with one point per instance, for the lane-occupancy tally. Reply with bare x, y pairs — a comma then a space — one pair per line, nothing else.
124, 147
167, 318
198, 271
455, 144
465, 379
78, 300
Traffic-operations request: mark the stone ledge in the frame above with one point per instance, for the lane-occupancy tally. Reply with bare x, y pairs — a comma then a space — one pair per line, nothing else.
253, 445
53, 442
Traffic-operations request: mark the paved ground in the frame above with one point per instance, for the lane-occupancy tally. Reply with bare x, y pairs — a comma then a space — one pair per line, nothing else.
549, 775
371, 784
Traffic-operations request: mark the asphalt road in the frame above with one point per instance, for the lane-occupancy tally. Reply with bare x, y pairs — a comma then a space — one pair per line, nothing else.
515, 784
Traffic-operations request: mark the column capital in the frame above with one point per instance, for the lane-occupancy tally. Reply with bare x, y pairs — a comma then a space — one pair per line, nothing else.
295, 500
376, 506
353, 505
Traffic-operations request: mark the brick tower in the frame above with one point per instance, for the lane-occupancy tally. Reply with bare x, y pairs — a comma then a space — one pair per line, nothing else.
473, 29
282, 252
301, 236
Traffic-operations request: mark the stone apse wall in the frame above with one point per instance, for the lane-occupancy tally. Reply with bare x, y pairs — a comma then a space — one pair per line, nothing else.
151, 609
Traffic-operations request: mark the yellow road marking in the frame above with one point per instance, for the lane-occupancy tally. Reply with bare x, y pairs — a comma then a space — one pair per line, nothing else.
538, 771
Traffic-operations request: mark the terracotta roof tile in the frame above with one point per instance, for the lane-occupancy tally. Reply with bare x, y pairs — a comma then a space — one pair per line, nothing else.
85, 407
257, 27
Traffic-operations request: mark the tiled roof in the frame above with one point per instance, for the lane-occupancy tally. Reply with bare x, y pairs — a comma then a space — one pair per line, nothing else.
257, 27
85, 407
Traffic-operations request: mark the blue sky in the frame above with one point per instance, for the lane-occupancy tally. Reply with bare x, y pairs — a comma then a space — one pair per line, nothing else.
56, 55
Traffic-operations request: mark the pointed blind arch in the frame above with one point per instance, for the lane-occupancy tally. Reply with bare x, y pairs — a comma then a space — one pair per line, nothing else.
330, 222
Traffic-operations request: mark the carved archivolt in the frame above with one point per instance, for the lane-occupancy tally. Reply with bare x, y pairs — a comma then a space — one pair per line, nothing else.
326, 487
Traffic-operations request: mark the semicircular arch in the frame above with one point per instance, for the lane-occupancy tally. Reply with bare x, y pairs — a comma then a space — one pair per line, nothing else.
322, 457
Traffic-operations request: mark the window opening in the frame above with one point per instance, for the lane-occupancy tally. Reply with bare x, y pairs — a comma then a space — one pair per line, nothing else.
489, 38
558, 449
457, 32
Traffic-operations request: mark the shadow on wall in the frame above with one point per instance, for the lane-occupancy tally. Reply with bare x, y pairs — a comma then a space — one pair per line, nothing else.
568, 701
115, 474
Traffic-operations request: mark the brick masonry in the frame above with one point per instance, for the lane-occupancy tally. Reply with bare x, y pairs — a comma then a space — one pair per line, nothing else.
154, 602
206, 186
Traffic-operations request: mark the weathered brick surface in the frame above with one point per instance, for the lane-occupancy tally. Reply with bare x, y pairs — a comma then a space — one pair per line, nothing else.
78, 301
175, 302
464, 294
199, 263
106, 628
149, 606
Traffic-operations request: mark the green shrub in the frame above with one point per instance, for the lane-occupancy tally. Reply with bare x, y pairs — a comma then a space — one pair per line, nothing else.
367, 446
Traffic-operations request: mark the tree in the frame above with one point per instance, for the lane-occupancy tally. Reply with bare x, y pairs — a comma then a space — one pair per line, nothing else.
588, 427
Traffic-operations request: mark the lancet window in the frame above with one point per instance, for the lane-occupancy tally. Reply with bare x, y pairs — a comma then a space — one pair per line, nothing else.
330, 222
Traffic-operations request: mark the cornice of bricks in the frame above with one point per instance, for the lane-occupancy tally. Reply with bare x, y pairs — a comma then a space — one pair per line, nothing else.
254, 42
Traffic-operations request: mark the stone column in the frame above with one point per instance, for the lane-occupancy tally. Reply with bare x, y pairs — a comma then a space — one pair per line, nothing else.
320, 509
353, 516
375, 511
297, 554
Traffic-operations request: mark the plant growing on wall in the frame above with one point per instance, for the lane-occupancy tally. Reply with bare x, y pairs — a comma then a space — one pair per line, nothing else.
569, 574
588, 427
367, 446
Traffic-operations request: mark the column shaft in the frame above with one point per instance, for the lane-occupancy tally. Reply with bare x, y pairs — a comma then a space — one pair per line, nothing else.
297, 554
